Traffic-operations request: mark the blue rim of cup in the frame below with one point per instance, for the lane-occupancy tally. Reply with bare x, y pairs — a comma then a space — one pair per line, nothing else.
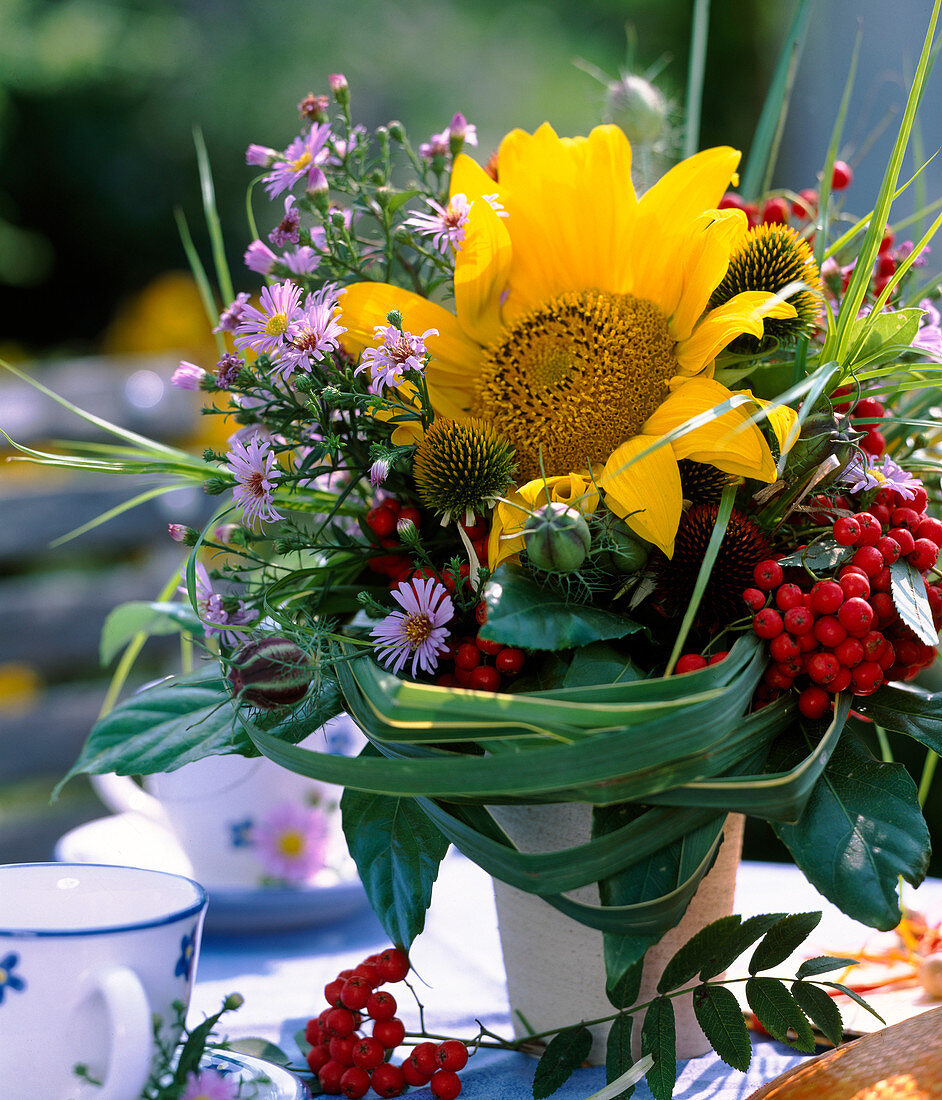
189, 911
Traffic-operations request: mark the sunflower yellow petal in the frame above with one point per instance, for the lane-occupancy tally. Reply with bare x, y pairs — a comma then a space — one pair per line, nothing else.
509, 518
456, 358
482, 264
644, 490
570, 206
742, 313
732, 441
705, 262
781, 418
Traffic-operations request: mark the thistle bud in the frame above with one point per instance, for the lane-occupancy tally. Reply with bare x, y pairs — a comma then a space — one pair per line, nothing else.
557, 538
270, 673
638, 108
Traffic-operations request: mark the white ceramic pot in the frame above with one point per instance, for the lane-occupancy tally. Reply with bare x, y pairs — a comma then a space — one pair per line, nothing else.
555, 966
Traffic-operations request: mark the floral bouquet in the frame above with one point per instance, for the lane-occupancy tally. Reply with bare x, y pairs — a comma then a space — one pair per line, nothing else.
573, 488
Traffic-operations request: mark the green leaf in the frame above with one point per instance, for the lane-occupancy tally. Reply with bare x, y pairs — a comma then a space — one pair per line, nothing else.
911, 602
720, 1016
777, 1011
883, 335
600, 663
258, 1047
855, 996
784, 937
184, 719
820, 1009
659, 1039
397, 851
623, 969
618, 1052
564, 1053
907, 709
129, 619
822, 556
861, 829
749, 931
699, 952
822, 964
522, 614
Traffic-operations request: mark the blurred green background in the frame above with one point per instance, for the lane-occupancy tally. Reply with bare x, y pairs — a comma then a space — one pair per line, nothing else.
98, 101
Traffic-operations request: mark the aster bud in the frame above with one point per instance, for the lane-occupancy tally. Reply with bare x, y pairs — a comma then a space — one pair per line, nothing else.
261, 155
457, 132
638, 108
339, 88
396, 130
233, 1001
557, 538
213, 486
270, 673
314, 107
177, 531
337, 220
385, 195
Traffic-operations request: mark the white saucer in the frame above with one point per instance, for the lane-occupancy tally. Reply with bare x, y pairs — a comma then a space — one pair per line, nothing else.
257, 1078
132, 840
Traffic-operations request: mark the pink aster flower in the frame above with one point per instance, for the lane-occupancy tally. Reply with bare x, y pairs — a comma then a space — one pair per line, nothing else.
232, 314
864, 473
314, 333
187, 376
398, 353
301, 158
291, 841
286, 231
209, 1085
302, 260
929, 336
379, 471
266, 330
446, 225
259, 257
211, 607
439, 145
418, 630
253, 466
260, 155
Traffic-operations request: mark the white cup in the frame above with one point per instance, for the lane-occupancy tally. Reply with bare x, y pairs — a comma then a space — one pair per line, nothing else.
90, 957
246, 823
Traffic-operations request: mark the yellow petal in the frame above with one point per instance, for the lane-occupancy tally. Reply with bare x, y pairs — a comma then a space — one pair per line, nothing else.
644, 490
705, 262
732, 442
573, 489
456, 359
781, 418
407, 430
742, 313
482, 263
570, 206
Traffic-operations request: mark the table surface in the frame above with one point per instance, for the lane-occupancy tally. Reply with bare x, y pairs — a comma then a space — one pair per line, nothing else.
458, 961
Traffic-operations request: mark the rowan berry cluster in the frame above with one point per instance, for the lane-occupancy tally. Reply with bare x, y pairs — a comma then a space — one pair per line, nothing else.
348, 1062
775, 209
844, 633
864, 415
480, 663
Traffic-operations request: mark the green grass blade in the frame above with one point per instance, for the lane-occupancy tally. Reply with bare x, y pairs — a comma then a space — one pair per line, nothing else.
223, 279
201, 278
696, 70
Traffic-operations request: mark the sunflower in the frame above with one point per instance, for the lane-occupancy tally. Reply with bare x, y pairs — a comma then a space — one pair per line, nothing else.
581, 328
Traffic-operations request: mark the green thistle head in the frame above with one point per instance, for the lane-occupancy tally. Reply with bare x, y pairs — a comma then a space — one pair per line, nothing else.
461, 467
770, 258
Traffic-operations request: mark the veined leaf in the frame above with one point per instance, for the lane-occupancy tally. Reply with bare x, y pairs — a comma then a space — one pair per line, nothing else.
659, 1039
911, 602
822, 556
882, 336
822, 964
777, 1010
784, 937
749, 931
820, 1009
564, 1054
618, 1058
698, 953
907, 709
720, 1016
129, 619
856, 998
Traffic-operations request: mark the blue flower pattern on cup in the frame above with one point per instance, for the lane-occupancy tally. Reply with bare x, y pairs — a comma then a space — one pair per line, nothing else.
240, 833
9, 980
187, 951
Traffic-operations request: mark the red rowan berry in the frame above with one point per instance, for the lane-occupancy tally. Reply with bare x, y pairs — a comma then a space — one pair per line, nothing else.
867, 677
883, 608
355, 1083
484, 678
452, 1054
788, 595
329, 1076
807, 204
413, 1076
382, 521
340, 1022
388, 1080
823, 667
924, 555
846, 531
778, 677
368, 1052
881, 513
510, 661
486, 645
389, 1032
424, 1058
870, 528
873, 442
783, 647
868, 407
869, 559
356, 992
797, 621
855, 616
842, 176
829, 631
855, 584
906, 517
919, 500
904, 537
841, 681
767, 574
720, 655
468, 656
690, 662
445, 1085
332, 991
393, 964
889, 548
317, 1056
775, 211
768, 623
826, 597
341, 1049
381, 1005
754, 599
814, 702
849, 652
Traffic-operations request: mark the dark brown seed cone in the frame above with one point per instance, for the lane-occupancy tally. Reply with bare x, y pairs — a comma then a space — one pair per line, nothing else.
744, 546
270, 673
701, 483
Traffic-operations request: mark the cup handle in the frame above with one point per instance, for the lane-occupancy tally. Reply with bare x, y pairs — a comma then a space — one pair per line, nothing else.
131, 1030
121, 794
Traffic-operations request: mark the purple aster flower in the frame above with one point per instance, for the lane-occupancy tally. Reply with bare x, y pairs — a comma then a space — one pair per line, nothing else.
291, 841
301, 158
209, 1085
379, 471
227, 370
301, 261
864, 473
286, 231
259, 257
929, 336
446, 225
419, 629
903, 250
211, 608
187, 376
253, 466
232, 314
177, 531
260, 155
459, 129
439, 145
265, 330
314, 333
399, 352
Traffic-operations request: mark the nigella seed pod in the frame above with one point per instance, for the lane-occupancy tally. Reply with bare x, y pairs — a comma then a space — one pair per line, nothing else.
270, 673
624, 553
557, 538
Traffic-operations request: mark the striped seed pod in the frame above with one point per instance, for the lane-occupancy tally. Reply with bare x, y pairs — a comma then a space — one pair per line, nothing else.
270, 673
